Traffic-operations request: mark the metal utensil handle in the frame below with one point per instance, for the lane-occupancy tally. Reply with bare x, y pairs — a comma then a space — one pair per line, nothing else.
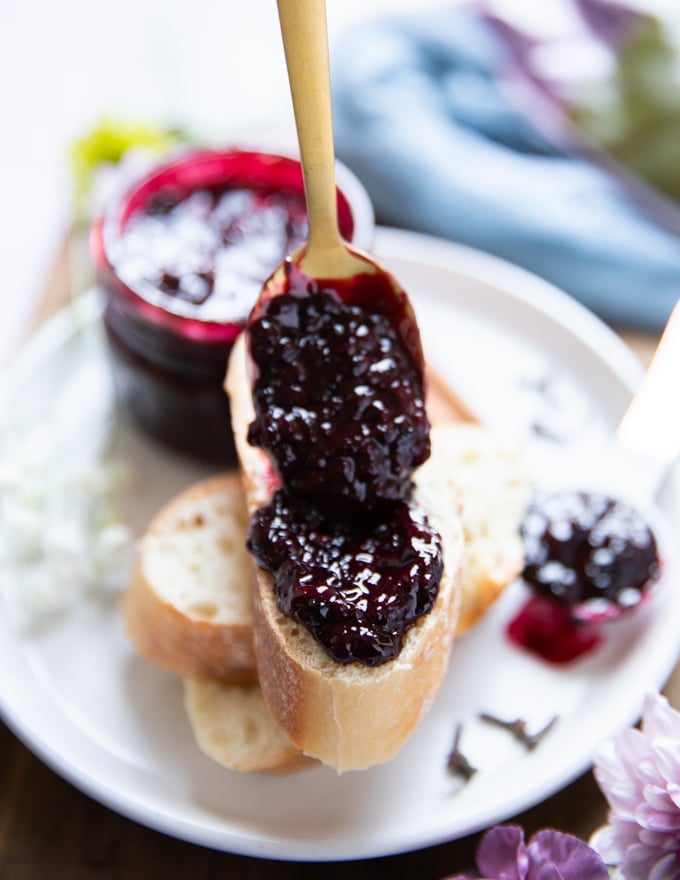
305, 42
651, 424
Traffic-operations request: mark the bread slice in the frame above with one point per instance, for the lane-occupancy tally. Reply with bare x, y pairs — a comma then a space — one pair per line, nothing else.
232, 723
188, 607
233, 726
348, 716
173, 629
494, 486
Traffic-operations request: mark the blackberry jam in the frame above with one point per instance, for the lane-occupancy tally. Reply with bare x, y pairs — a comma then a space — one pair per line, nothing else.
207, 251
549, 630
357, 589
339, 401
339, 406
181, 256
588, 558
582, 547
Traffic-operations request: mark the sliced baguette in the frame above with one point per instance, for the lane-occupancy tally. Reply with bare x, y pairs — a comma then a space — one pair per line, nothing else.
170, 603
233, 726
232, 723
170, 621
348, 716
188, 607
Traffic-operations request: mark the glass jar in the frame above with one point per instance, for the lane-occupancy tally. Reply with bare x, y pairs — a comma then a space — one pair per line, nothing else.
180, 258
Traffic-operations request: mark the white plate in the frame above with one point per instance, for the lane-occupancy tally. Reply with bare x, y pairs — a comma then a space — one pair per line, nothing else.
114, 726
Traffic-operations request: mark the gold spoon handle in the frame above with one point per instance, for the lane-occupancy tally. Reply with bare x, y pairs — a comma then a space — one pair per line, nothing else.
651, 423
305, 42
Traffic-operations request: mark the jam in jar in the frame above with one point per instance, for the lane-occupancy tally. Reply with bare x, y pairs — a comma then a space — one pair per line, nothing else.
181, 256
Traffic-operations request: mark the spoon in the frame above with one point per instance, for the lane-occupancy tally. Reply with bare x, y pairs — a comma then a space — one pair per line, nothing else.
326, 260
612, 534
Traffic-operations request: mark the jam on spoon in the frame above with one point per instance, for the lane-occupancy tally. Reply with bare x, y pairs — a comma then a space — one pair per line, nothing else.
340, 405
340, 408
338, 391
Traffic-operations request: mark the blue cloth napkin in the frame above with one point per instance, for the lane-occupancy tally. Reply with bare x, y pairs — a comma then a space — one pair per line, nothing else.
420, 118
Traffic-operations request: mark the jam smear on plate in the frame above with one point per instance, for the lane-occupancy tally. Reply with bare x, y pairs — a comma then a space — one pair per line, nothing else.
548, 630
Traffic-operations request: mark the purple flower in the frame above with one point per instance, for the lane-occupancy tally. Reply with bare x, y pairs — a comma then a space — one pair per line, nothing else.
639, 774
549, 855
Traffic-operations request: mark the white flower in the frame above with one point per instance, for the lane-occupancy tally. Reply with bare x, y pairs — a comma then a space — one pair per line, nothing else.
639, 774
113, 554
61, 535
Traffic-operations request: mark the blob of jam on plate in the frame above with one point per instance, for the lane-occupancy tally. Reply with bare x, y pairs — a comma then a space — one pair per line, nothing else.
589, 558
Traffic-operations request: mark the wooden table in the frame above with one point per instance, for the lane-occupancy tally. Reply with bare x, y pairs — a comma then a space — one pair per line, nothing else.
51, 831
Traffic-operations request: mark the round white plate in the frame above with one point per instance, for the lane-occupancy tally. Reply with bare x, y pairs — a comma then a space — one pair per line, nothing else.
523, 354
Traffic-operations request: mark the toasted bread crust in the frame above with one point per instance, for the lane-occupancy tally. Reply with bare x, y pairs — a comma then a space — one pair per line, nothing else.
354, 718
348, 716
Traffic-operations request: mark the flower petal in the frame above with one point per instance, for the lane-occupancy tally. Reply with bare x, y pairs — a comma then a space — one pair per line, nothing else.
659, 718
659, 816
502, 854
544, 871
641, 863
667, 868
460, 877
666, 754
573, 858
612, 840
624, 799
658, 798
658, 841
674, 794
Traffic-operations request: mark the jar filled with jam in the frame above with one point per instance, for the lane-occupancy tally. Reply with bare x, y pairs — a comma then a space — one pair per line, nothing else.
181, 256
